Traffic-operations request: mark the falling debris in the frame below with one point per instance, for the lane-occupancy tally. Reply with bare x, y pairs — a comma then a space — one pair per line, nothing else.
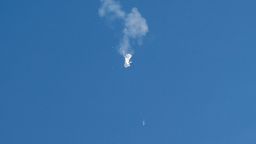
127, 61
135, 27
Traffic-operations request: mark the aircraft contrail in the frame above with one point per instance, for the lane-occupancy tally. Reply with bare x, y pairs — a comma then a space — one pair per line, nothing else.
135, 26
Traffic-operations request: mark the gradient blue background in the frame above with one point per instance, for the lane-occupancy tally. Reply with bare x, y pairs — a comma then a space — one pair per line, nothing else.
193, 81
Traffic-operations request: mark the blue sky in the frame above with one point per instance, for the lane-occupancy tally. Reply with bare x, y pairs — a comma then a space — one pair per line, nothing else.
192, 81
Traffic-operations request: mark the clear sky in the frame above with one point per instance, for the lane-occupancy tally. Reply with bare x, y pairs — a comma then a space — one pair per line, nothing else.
193, 81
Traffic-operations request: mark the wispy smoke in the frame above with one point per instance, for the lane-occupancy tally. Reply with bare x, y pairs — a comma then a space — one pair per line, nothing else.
135, 26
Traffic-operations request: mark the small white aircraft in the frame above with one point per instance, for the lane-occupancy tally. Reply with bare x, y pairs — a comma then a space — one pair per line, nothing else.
127, 62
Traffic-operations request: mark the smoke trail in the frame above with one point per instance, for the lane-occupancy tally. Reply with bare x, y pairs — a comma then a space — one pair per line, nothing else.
135, 26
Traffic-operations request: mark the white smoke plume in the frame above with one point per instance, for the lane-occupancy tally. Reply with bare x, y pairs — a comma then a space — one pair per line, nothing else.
135, 26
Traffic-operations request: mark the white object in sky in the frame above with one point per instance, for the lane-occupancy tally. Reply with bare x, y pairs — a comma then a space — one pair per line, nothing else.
143, 123
127, 60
